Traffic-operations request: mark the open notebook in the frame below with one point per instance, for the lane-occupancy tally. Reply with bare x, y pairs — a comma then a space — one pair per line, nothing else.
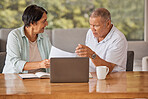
34, 76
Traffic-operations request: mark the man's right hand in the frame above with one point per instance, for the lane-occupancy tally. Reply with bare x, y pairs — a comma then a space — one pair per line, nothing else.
84, 51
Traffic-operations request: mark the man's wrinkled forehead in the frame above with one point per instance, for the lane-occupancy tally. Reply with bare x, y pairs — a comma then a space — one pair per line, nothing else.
97, 19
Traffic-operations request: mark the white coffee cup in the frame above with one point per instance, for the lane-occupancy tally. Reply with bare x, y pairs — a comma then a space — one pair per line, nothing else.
102, 71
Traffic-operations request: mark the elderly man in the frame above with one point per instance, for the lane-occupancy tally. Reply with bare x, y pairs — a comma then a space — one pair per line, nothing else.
105, 44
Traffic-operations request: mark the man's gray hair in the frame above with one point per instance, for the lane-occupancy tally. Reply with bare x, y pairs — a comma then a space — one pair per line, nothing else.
101, 12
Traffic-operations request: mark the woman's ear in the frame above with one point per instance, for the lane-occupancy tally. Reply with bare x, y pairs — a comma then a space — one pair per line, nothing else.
33, 24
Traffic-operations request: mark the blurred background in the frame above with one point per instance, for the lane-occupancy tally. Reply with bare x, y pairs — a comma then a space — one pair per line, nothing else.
127, 15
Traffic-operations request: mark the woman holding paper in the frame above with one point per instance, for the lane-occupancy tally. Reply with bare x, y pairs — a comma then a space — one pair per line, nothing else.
28, 47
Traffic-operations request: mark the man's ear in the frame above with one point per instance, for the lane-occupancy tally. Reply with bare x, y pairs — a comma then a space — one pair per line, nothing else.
108, 23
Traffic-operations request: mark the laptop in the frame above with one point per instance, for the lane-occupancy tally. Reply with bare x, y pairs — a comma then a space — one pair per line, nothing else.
69, 70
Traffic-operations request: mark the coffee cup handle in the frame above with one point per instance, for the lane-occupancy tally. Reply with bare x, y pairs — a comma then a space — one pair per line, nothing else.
107, 70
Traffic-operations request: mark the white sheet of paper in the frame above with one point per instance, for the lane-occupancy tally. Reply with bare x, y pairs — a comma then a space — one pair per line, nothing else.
55, 52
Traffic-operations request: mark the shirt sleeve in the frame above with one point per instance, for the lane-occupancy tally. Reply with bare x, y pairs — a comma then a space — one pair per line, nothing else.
117, 52
14, 53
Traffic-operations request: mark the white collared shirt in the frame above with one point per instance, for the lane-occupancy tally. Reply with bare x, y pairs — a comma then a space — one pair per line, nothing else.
112, 49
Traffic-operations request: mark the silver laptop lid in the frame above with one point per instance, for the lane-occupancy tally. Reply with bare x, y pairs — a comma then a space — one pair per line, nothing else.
69, 69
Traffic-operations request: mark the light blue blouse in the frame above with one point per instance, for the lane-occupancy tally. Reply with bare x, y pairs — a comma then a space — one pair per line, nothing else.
18, 50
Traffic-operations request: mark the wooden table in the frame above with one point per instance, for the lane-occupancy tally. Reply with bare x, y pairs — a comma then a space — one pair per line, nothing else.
116, 85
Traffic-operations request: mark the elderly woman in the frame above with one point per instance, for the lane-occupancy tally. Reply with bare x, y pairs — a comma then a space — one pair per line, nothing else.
28, 48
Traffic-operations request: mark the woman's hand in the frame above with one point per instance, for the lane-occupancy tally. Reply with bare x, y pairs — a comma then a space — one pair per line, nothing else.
44, 63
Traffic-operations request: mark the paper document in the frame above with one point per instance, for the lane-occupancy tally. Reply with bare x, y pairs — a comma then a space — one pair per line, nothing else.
55, 52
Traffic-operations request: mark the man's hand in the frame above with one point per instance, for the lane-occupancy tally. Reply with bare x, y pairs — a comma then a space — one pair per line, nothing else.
45, 63
83, 51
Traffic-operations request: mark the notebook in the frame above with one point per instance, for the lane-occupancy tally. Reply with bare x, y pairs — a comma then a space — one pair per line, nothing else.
34, 76
69, 70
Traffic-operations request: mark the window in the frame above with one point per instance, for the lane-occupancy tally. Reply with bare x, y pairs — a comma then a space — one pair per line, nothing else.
127, 15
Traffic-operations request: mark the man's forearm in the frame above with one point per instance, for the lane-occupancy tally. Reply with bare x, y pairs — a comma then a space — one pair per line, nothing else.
100, 62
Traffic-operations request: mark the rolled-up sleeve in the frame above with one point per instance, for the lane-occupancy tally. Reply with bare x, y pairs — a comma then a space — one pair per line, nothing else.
117, 52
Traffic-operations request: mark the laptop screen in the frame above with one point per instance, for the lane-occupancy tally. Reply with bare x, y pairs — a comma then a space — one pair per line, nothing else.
69, 69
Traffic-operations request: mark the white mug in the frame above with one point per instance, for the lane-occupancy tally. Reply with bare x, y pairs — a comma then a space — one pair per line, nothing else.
102, 71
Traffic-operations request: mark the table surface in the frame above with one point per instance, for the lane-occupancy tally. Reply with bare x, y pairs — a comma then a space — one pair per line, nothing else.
116, 85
